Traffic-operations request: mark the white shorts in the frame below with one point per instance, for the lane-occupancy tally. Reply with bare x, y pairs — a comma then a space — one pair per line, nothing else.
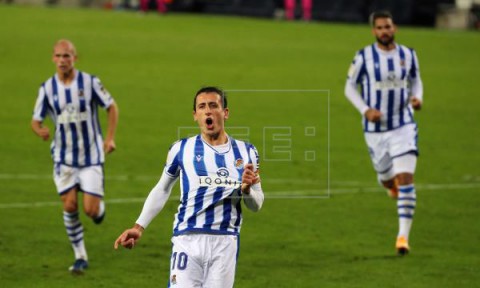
88, 179
203, 260
385, 147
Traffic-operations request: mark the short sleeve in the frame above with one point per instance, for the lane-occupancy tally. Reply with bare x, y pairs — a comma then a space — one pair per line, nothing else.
41, 105
172, 166
100, 94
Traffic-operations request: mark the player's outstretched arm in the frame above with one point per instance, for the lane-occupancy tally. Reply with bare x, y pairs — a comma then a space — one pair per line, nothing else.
129, 237
152, 206
42, 131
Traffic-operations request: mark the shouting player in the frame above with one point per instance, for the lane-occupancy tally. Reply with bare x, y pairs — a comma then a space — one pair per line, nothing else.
216, 172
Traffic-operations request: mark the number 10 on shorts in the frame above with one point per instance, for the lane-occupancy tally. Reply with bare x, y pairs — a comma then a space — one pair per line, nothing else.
180, 261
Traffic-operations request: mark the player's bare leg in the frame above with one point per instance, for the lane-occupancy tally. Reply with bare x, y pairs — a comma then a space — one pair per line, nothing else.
94, 207
69, 200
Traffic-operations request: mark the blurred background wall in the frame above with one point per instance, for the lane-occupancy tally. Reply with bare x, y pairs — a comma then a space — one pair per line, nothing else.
457, 14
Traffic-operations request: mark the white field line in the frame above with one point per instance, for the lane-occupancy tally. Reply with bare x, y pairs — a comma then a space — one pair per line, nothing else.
147, 178
293, 194
343, 184
153, 178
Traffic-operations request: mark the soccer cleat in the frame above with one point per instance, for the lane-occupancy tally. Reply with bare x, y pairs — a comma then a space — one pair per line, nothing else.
402, 246
393, 191
78, 267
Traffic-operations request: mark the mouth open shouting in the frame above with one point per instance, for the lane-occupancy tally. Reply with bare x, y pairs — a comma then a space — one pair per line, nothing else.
209, 123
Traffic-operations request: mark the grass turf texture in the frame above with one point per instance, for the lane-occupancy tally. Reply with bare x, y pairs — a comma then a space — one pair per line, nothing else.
152, 65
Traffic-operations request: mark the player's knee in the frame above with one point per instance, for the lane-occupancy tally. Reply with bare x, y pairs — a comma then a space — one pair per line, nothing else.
70, 206
405, 178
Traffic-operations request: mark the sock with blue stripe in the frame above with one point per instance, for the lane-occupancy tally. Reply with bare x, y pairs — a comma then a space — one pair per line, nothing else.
75, 234
406, 203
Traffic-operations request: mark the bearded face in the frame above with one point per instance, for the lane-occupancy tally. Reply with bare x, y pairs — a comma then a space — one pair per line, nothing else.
384, 31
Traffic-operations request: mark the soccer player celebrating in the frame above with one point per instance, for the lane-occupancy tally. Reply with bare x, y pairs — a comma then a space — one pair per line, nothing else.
71, 98
216, 172
389, 78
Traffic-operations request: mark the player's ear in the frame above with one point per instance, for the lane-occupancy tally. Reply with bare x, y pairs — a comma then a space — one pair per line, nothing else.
226, 111
194, 116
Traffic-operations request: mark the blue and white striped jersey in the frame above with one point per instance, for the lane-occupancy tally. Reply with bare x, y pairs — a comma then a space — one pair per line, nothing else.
210, 182
388, 79
78, 138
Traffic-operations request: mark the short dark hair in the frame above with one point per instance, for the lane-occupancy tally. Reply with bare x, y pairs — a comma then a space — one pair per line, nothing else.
210, 89
379, 14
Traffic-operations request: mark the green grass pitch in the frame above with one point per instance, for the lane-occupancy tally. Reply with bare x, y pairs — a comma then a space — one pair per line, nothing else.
152, 65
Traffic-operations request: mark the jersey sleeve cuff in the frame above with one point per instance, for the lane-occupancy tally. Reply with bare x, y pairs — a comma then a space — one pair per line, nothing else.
364, 109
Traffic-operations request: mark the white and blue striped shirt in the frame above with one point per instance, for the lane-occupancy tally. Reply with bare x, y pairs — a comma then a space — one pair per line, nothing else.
73, 108
388, 79
210, 182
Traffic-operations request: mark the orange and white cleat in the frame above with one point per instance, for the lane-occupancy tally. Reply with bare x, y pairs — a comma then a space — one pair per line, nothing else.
402, 246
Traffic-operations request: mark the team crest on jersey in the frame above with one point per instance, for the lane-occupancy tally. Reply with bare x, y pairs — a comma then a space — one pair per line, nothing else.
402, 63
173, 281
239, 163
198, 158
223, 172
80, 93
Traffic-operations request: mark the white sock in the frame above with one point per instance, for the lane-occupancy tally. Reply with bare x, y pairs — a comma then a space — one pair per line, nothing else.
406, 208
101, 208
75, 234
